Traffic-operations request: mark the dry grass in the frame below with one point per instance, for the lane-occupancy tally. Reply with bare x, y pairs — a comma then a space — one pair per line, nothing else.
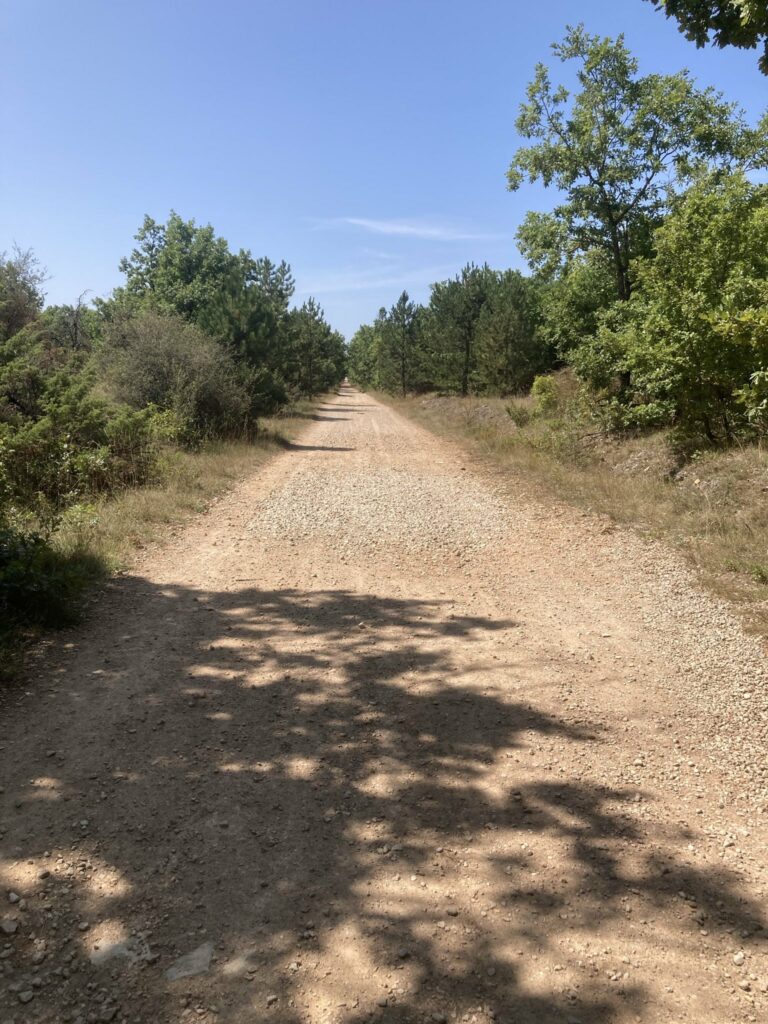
714, 508
100, 538
108, 532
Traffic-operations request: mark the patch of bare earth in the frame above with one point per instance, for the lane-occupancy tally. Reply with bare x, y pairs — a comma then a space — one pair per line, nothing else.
378, 739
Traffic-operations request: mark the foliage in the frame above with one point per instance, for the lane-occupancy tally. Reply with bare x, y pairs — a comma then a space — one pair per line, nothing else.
455, 308
21, 291
178, 268
400, 335
250, 314
572, 302
479, 333
315, 357
58, 439
695, 335
163, 362
78, 446
182, 269
196, 344
519, 413
617, 149
742, 23
510, 348
38, 585
544, 394
754, 398
363, 357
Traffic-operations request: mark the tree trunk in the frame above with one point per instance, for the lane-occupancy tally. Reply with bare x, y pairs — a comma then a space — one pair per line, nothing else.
709, 432
623, 286
465, 371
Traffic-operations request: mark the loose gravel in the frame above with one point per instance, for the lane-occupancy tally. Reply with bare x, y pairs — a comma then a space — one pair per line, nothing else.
380, 508
381, 738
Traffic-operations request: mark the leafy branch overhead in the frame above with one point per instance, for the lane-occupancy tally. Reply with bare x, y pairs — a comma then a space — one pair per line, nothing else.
742, 23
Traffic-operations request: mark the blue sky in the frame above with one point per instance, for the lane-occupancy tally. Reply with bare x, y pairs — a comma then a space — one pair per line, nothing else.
365, 141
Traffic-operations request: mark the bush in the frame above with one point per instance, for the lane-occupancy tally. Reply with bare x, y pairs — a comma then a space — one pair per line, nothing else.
38, 585
167, 363
754, 398
519, 414
80, 445
266, 390
544, 394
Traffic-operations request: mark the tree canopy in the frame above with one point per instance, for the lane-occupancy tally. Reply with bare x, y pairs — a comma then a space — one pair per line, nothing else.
617, 149
742, 23
21, 290
185, 270
696, 331
479, 332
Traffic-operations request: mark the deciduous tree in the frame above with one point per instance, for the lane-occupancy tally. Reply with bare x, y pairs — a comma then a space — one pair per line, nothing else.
617, 149
695, 333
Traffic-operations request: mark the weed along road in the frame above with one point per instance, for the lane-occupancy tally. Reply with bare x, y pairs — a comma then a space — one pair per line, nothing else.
380, 738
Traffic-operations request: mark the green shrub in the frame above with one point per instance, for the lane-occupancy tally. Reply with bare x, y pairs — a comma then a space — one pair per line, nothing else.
545, 395
79, 446
167, 363
754, 399
266, 391
519, 414
38, 585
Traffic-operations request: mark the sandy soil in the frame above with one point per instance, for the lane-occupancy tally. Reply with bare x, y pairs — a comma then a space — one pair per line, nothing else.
379, 738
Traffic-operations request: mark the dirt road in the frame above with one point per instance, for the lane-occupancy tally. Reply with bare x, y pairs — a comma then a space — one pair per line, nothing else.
380, 738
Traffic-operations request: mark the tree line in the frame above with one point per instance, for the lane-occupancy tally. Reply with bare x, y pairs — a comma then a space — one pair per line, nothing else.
196, 344
649, 279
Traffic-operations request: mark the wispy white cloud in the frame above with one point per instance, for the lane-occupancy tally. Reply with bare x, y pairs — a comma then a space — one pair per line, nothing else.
422, 229
355, 280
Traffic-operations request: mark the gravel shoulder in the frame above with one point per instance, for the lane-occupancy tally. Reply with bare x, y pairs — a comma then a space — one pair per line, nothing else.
382, 738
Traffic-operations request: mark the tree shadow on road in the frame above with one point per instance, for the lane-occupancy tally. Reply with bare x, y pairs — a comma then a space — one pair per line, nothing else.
324, 414
305, 778
294, 446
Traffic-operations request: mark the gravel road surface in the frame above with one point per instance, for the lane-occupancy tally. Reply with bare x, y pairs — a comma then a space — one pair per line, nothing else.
380, 738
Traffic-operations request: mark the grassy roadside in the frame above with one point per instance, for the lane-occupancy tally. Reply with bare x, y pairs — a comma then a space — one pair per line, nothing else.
714, 508
114, 529
98, 539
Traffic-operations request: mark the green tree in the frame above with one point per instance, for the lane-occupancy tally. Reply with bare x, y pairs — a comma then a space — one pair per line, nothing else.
178, 268
245, 322
617, 149
510, 348
274, 280
74, 327
454, 314
363, 357
182, 269
317, 359
695, 333
267, 291
398, 350
742, 23
21, 290
573, 301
